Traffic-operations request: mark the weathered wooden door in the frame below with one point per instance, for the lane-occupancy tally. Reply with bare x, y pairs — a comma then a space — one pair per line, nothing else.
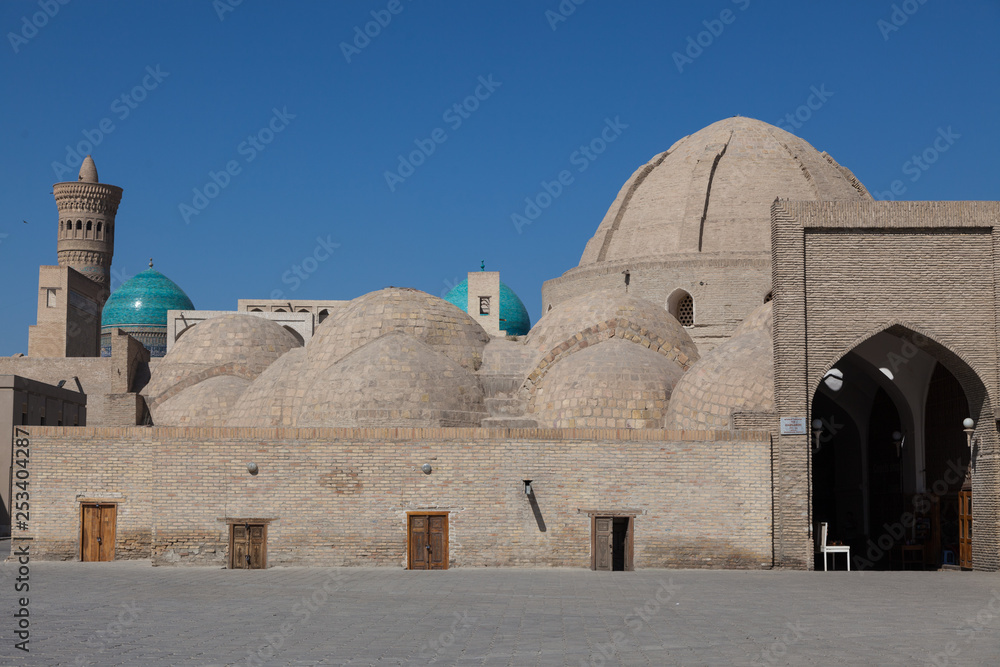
965, 529
611, 543
247, 546
603, 548
97, 531
428, 542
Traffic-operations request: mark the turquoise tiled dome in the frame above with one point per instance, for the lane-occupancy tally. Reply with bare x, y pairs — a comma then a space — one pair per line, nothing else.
514, 318
139, 307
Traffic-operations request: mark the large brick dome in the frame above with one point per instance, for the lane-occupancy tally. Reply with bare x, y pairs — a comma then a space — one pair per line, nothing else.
691, 229
712, 192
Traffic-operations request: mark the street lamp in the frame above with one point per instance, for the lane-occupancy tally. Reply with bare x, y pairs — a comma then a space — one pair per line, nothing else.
969, 427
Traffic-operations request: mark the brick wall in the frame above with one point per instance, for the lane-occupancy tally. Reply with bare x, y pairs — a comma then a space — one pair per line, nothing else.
724, 289
340, 496
923, 271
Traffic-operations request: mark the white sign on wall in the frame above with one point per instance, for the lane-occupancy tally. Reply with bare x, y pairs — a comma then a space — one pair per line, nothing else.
793, 426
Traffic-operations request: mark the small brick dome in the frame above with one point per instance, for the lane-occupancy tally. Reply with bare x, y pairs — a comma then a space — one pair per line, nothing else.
207, 403
394, 380
574, 315
616, 384
737, 376
275, 397
431, 320
238, 345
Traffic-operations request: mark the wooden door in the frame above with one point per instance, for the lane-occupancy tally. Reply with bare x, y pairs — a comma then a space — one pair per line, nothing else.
428, 542
247, 546
965, 529
97, 532
602, 547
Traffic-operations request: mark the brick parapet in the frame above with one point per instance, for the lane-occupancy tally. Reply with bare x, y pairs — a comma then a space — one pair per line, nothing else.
340, 496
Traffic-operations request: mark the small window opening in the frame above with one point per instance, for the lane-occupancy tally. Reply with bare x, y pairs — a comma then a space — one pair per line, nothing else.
484, 305
769, 297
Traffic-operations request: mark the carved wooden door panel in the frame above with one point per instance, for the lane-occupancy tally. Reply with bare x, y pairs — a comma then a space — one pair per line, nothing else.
428, 542
602, 545
965, 529
97, 532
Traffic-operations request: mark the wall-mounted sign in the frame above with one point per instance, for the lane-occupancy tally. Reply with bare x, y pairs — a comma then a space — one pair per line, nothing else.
793, 426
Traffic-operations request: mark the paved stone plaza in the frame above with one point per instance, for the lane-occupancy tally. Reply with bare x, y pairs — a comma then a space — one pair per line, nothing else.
129, 613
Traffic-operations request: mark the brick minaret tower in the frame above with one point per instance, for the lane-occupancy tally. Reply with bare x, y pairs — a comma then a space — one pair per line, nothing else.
87, 211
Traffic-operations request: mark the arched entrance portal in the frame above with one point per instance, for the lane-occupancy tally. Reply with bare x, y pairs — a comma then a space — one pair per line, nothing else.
890, 461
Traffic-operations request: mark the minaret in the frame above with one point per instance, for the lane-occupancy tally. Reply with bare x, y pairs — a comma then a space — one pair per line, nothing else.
87, 210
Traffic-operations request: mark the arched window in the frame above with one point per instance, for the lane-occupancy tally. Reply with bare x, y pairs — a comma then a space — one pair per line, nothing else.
100, 230
90, 229
255, 310
680, 304
769, 296
323, 314
79, 229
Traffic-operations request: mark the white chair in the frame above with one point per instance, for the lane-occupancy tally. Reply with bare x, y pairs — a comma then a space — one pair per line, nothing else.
823, 548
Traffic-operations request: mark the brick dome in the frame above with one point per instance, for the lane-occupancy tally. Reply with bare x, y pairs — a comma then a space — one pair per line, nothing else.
207, 403
434, 321
579, 313
394, 380
712, 192
275, 397
737, 376
238, 345
615, 384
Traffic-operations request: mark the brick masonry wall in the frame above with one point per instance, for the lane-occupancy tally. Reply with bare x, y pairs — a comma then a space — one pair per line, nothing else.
725, 289
924, 271
340, 496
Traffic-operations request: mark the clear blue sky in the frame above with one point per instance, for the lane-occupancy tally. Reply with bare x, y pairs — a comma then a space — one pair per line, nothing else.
323, 174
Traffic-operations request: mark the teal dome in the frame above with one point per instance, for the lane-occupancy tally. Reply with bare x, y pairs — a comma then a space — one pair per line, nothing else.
139, 307
514, 320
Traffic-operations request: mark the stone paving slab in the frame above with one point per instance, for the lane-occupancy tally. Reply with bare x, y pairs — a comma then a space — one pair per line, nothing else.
130, 613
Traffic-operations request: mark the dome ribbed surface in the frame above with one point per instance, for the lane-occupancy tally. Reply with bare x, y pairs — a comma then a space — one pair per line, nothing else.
712, 192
